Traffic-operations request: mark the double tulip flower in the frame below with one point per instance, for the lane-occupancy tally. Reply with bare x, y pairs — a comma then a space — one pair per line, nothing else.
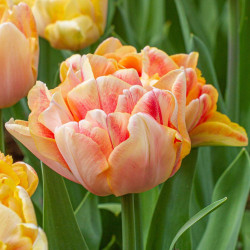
18, 225
121, 121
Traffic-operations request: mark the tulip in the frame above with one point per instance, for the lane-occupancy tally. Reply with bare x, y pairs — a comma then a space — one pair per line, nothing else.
101, 128
70, 24
18, 225
18, 52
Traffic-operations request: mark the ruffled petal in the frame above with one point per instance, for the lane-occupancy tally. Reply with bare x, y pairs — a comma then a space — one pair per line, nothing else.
108, 46
20, 131
218, 130
109, 88
84, 157
83, 98
186, 60
145, 159
128, 75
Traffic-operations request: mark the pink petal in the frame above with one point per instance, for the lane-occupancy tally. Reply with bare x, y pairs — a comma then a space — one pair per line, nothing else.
128, 75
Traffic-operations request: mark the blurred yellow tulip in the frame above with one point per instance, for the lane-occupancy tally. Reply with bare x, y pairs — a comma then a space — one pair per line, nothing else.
18, 225
19, 52
70, 24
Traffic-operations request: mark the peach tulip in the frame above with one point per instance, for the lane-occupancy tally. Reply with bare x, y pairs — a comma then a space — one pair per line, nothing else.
18, 52
70, 24
103, 129
18, 225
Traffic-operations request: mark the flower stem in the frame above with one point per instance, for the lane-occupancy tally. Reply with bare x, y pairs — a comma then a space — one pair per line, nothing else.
138, 222
128, 222
232, 93
2, 147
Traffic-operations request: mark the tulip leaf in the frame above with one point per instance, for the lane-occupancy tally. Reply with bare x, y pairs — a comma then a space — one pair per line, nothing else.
204, 212
184, 24
224, 224
89, 220
244, 68
205, 63
114, 208
245, 230
172, 208
59, 221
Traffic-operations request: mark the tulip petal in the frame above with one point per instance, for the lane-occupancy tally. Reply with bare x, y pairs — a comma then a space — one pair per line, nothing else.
109, 88
129, 99
145, 159
108, 46
133, 61
158, 103
186, 60
218, 130
156, 61
21, 132
83, 98
175, 82
84, 157
102, 66
128, 75
117, 124
56, 114
15, 70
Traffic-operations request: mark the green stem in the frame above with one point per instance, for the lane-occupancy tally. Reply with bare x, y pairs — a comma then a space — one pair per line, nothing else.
138, 222
232, 94
128, 222
2, 147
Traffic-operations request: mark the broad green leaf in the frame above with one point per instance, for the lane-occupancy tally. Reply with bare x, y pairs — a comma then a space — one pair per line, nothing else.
59, 221
148, 203
204, 212
224, 224
245, 230
172, 208
114, 208
244, 68
206, 65
202, 190
184, 24
89, 220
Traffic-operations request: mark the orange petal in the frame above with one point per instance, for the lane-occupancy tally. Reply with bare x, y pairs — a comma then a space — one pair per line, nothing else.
175, 81
109, 88
102, 66
22, 133
156, 61
84, 157
108, 46
218, 130
145, 159
186, 60
128, 75
83, 98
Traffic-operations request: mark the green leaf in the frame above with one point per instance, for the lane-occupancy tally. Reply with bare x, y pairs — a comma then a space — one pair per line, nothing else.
184, 24
89, 220
114, 208
205, 63
224, 224
172, 208
244, 69
245, 230
204, 212
59, 222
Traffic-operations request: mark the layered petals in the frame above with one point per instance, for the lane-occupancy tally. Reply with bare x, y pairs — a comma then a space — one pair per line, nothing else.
145, 159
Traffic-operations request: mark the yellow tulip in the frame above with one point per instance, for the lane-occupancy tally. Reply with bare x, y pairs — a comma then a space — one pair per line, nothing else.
70, 24
18, 225
18, 52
